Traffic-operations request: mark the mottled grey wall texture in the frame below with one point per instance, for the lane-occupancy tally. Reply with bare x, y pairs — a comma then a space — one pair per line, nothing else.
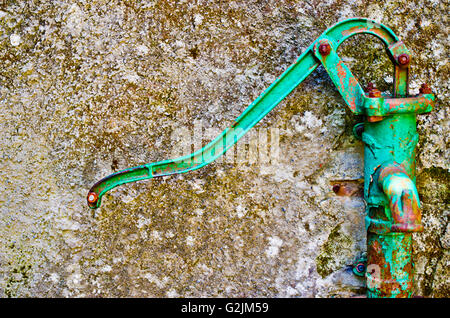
90, 87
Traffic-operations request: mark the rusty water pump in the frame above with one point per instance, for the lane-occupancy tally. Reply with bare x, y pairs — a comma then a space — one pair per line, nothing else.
389, 135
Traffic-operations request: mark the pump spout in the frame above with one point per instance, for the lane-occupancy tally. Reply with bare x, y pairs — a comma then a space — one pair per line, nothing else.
403, 198
389, 248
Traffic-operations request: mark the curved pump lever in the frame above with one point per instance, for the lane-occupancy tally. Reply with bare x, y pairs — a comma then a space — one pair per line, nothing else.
322, 51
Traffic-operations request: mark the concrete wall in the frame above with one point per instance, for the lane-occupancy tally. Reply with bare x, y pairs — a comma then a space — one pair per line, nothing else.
92, 87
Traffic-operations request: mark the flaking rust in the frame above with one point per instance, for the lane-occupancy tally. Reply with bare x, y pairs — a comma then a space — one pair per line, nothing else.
389, 136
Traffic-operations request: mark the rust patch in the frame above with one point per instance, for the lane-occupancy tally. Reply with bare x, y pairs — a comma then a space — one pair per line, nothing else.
373, 119
382, 271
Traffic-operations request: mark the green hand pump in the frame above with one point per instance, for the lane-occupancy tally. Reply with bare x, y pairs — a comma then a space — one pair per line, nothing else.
393, 210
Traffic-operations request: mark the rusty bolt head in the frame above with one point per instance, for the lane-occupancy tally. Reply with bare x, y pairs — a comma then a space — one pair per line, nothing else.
425, 89
92, 197
336, 188
403, 59
372, 90
374, 93
324, 49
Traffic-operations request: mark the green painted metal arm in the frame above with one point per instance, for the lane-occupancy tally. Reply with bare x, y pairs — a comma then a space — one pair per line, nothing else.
259, 108
345, 82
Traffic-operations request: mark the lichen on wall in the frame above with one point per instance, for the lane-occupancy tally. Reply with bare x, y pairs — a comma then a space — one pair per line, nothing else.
88, 88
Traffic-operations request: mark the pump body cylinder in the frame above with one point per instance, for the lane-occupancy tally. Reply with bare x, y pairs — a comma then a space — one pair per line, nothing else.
390, 142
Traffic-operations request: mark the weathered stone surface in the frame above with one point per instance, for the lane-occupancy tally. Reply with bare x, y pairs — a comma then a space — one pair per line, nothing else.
92, 87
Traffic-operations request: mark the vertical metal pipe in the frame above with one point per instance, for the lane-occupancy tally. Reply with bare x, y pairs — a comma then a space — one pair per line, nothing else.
390, 268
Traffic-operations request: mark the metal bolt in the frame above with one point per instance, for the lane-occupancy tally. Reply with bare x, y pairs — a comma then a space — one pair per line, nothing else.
336, 188
359, 130
360, 268
425, 89
403, 59
324, 49
374, 93
92, 197
372, 90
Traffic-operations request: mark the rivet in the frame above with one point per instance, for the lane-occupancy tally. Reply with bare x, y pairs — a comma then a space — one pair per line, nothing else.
324, 49
403, 59
336, 188
92, 197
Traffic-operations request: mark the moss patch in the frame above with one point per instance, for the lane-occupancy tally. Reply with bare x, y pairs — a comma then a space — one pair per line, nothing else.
337, 243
